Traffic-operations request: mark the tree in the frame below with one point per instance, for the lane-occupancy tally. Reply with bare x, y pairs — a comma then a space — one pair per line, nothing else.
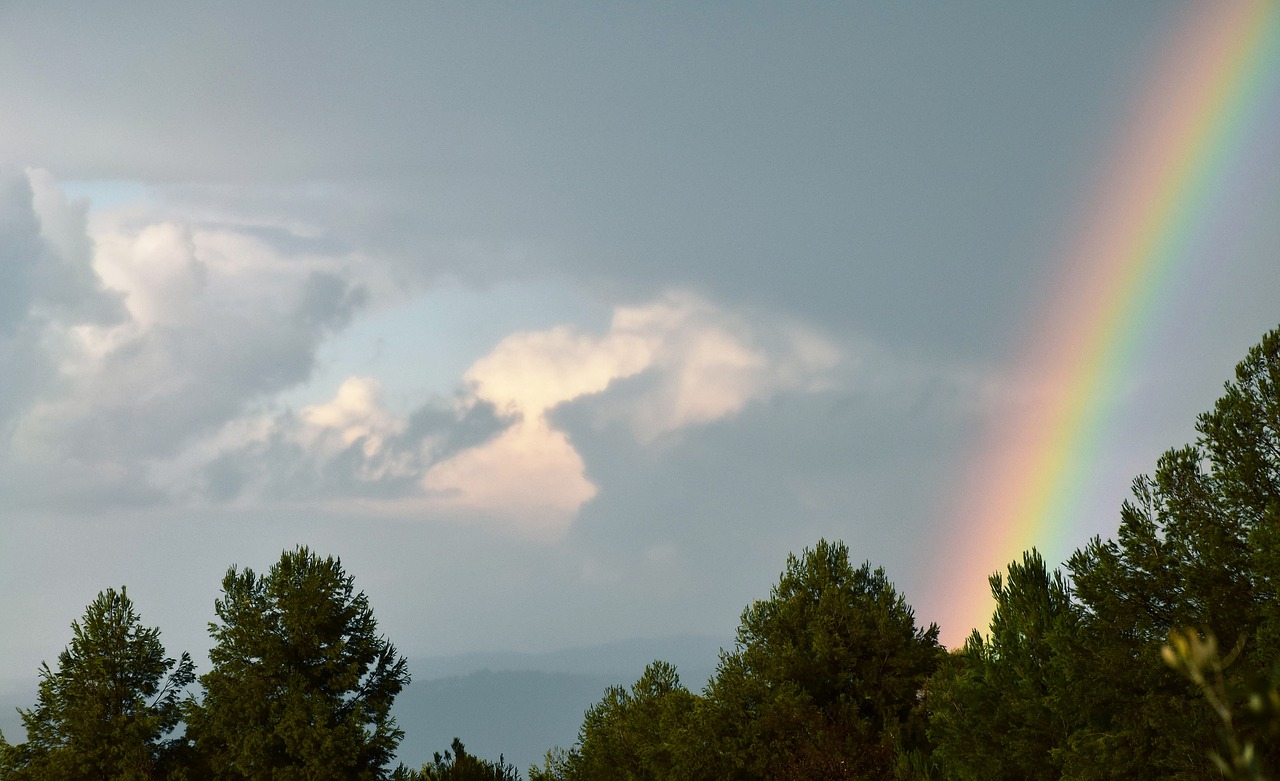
826, 676
1241, 438
1195, 655
302, 684
1197, 547
107, 710
458, 765
1178, 560
636, 735
994, 709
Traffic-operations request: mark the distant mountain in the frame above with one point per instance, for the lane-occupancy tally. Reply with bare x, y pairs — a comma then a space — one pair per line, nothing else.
511, 703
624, 657
522, 704
518, 714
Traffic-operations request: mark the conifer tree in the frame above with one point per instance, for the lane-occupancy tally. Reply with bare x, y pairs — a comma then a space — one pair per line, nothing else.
641, 734
302, 684
458, 765
994, 708
825, 678
109, 708
1197, 547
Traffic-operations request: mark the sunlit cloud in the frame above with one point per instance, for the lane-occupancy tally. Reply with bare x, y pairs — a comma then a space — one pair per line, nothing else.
172, 384
494, 454
701, 363
152, 333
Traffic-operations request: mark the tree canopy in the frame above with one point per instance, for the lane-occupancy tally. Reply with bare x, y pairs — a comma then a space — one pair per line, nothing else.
301, 685
631, 735
824, 682
109, 708
825, 676
1109, 667
455, 764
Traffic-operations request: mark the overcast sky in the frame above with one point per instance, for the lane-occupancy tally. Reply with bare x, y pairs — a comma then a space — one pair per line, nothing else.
558, 323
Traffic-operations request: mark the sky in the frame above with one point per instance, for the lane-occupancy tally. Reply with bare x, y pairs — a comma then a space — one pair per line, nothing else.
563, 323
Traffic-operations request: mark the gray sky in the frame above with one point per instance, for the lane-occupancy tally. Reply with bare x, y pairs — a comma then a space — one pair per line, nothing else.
559, 323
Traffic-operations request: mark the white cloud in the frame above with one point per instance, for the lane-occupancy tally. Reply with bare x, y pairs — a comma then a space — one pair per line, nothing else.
157, 269
495, 456
164, 341
711, 362
529, 478
702, 363
144, 332
532, 372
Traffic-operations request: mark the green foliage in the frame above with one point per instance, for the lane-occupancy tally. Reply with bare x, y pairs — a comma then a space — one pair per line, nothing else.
458, 765
1196, 547
994, 708
1238, 706
1241, 436
555, 766
1134, 716
635, 735
302, 684
826, 676
107, 710
824, 682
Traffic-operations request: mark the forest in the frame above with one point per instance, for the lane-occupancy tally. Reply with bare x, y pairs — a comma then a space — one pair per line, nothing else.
1154, 654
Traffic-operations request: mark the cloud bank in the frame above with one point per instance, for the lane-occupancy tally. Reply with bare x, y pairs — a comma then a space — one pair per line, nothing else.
153, 348
130, 340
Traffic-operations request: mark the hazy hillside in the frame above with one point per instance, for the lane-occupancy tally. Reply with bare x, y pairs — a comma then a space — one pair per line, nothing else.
517, 714
520, 704
628, 657
516, 704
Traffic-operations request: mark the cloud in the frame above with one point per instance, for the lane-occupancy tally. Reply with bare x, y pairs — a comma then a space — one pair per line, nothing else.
352, 448
708, 363
125, 339
164, 339
701, 362
530, 478
48, 290
693, 362
495, 454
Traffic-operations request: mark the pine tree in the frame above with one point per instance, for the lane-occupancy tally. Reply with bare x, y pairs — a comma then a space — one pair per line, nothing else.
641, 734
302, 684
457, 765
1197, 547
995, 707
825, 678
109, 708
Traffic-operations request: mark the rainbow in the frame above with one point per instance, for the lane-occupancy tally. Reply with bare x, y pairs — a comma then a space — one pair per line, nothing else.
1183, 152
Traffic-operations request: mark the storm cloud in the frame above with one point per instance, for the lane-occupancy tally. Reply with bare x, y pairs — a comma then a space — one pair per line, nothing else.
558, 324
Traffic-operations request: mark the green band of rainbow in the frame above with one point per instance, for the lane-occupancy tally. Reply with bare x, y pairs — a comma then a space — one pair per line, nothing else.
1202, 117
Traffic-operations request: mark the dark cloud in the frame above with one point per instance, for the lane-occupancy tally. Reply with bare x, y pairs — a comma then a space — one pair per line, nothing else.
823, 160
21, 250
171, 384
868, 466
66, 285
450, 432
328, 301
292, 463
47, 285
